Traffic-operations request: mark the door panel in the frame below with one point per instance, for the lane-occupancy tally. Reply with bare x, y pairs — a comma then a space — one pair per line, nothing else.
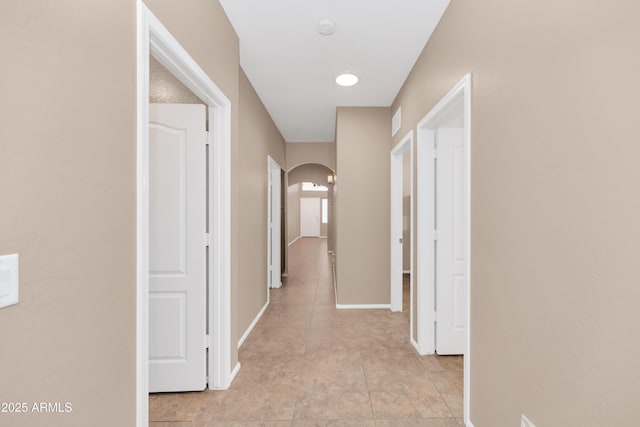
451, 249
310, 216
177, 252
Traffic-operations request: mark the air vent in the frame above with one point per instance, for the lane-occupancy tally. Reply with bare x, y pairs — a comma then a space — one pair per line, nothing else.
396, 122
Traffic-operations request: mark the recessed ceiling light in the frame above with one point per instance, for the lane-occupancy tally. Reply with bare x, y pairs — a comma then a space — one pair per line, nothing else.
347, 79
326, 27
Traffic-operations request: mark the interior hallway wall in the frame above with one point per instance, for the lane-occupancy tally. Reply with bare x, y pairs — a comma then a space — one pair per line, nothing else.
555, 212
68, 177
165, 88
363, 136
293, 209
300, 153
259, 137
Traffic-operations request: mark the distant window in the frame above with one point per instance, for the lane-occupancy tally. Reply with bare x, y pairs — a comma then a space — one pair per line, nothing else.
310, 186
325, 211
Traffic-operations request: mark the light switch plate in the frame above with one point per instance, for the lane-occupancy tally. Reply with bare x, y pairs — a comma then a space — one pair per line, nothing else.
8, 280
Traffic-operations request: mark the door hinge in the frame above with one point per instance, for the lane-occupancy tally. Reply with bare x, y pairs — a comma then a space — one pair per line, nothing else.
208, 341
207, 239
206, 137
435, 234
435, 316
400, 240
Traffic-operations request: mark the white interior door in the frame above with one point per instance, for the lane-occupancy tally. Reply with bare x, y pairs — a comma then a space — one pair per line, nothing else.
177, 247
451, 241
274, 225
310, 216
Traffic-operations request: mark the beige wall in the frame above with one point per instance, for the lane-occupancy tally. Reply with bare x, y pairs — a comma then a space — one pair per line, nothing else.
69, 204
293, 212
362, 209
68, 174
300, 153
165, 88
315, 173
259, 138
555, 207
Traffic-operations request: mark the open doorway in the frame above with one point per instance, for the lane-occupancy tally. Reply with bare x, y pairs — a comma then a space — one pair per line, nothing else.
274, 213
401, 229
444, 229
309, 201
215, 337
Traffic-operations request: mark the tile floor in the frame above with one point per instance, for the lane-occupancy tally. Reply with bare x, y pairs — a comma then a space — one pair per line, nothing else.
308, 364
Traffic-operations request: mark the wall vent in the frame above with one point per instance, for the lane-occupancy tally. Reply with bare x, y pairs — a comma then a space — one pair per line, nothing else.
396, 122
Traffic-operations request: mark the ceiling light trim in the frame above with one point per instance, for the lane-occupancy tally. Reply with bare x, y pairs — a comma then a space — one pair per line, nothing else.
347, 79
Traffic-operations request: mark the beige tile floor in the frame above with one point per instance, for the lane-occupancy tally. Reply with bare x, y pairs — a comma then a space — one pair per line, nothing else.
308, 364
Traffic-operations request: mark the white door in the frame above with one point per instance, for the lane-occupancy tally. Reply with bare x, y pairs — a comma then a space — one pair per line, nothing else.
274, 225
310, 216
177, 247
451, 242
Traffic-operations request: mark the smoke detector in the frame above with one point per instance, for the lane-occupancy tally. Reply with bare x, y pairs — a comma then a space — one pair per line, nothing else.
326, 27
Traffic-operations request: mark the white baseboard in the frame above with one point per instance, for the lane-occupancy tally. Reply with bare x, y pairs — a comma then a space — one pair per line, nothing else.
406, 271
323, 237
468, 423
232, 376
415, 345
294, 240
234, 373
252, 325
335, 286
362, 306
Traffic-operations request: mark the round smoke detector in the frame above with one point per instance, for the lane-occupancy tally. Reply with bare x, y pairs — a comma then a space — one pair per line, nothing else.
326, 27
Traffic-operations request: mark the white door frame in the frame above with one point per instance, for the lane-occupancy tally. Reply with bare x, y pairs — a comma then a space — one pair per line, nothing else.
274, 277
154, 38
425, 226
397, 177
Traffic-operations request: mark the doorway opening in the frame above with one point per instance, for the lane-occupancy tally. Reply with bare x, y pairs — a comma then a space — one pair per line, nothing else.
444, 229
156, 41
309, 203
274, 214
402, 229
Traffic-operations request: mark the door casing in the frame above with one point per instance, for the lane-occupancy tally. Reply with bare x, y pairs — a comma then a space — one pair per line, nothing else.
274, 223
405, 146
425, 198
153, 38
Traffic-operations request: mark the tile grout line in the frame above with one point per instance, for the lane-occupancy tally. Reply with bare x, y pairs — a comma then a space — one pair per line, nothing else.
366, 380
306, 345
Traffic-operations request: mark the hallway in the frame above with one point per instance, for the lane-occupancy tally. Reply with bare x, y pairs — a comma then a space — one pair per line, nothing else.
308, 364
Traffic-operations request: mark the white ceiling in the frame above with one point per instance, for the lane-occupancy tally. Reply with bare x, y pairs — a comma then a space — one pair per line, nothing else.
293, 68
